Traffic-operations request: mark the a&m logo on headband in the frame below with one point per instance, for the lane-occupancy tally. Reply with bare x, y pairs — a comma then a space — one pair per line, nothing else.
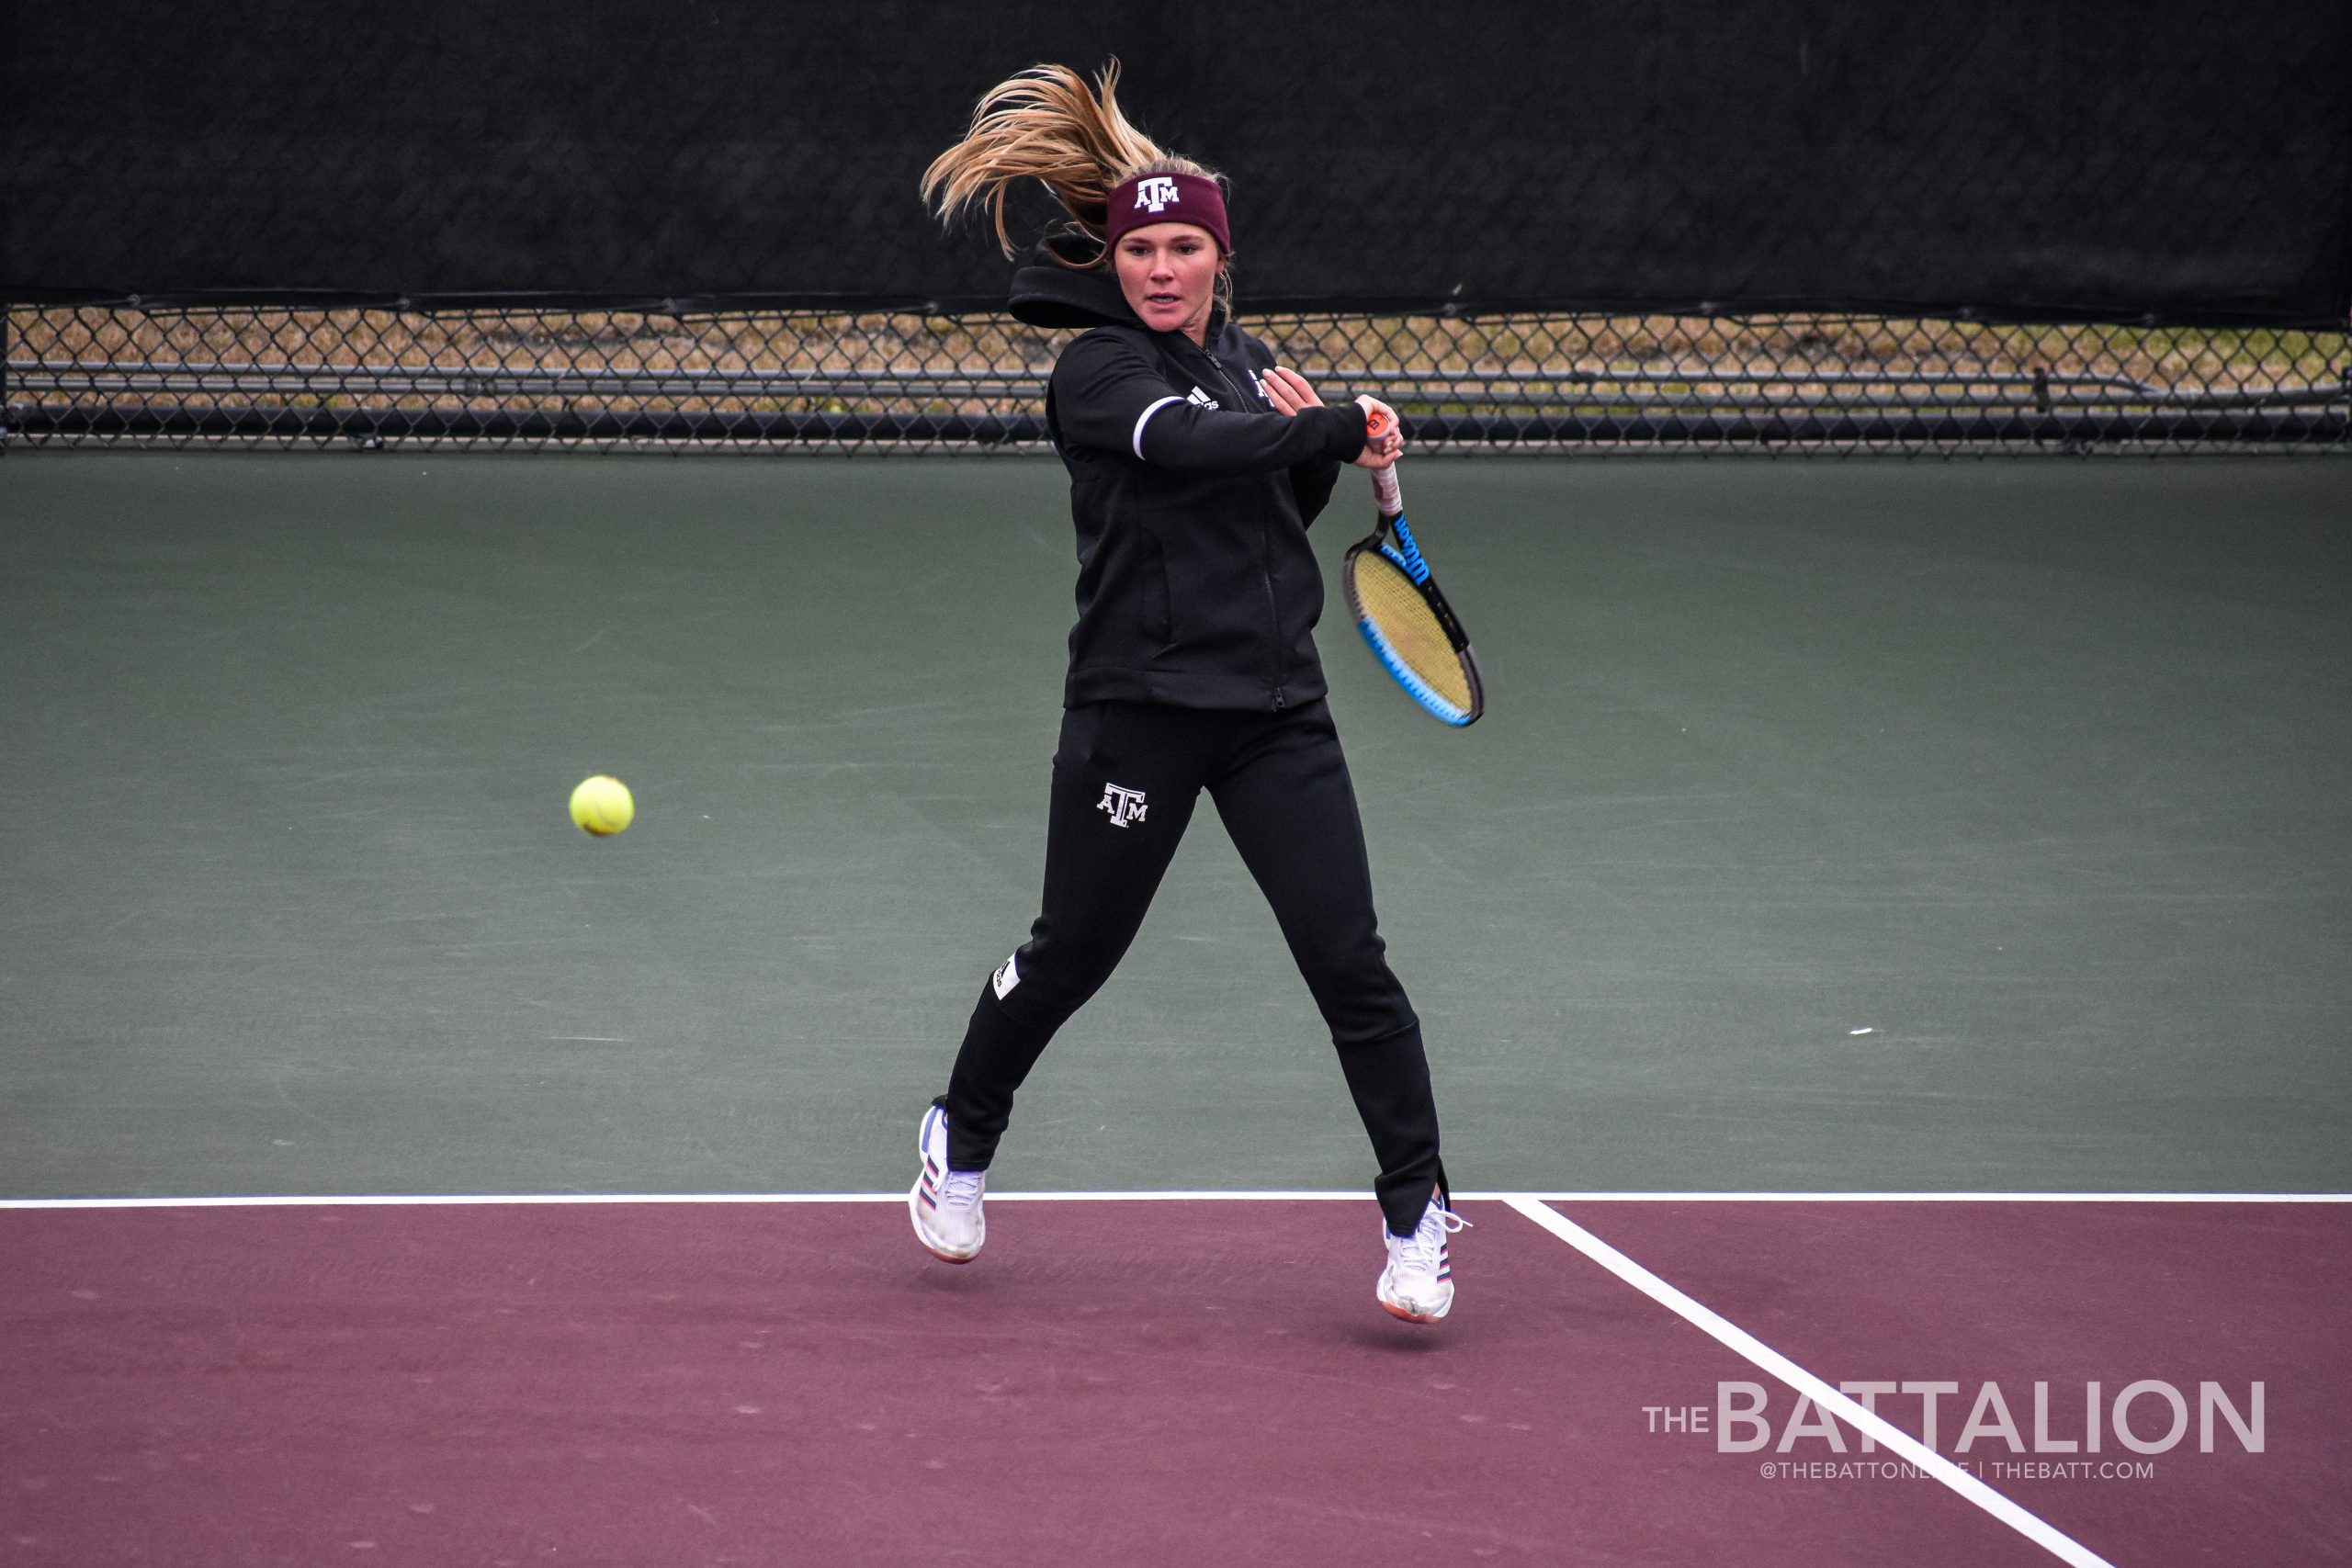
1155, 193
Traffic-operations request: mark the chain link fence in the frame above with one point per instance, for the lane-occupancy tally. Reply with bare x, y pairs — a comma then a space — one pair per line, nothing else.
735, 380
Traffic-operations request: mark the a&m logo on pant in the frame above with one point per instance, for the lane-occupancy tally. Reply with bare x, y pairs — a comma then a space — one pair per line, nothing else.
1156, 193
1124, 805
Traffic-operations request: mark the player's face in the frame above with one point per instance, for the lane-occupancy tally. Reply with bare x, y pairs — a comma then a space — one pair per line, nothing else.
1168, 271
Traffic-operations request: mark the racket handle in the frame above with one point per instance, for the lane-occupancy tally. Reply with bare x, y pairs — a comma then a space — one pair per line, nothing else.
1384, 490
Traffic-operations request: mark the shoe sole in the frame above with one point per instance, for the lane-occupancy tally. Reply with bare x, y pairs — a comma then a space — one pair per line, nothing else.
1393, 1310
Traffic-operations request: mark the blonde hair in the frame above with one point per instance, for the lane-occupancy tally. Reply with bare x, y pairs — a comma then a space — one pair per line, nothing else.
1045, 124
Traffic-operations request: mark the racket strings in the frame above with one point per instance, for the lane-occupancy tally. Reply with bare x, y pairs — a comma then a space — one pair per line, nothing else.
1392, 609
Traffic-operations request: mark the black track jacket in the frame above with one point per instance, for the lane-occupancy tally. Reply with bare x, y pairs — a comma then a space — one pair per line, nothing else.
1196, 587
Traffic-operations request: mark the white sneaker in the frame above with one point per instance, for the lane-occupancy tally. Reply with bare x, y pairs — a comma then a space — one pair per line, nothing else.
1418, 1284
945, 1203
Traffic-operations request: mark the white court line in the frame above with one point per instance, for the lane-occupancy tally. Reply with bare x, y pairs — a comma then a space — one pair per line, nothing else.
2032, 1527
426, 1201
1919, 1197
373, 1200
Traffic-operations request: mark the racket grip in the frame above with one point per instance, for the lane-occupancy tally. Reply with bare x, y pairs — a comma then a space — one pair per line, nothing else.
1384, 488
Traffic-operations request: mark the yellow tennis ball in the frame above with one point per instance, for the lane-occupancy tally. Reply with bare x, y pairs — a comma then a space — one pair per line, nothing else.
602, 805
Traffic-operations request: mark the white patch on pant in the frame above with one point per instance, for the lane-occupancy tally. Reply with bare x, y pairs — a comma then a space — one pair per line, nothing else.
1124, 805
1007, 975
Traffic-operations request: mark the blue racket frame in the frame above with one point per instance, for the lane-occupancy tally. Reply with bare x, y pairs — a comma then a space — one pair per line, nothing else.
1406, 555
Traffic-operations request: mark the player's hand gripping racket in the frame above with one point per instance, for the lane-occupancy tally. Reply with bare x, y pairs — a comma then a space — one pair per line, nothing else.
1411, 629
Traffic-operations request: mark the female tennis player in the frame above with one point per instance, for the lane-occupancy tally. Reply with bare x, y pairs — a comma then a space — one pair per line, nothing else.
1195, 466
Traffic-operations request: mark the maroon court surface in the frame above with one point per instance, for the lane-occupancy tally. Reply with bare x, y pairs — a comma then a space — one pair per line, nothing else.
1130, 1382
2065, 1294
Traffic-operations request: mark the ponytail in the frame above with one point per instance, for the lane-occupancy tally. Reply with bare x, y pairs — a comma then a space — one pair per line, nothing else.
1045, 124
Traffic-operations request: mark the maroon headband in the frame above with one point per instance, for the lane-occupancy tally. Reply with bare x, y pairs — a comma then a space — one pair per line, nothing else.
1169, 198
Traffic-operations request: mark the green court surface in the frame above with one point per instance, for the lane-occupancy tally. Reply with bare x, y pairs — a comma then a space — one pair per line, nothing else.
1833, 825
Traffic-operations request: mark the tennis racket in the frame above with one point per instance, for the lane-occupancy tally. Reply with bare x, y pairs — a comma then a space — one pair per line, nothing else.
1403, 619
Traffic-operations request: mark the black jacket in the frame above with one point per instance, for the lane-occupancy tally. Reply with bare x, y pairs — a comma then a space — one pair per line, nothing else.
1196, 587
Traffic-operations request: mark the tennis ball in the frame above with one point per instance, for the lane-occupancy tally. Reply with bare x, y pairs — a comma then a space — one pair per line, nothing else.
602, 805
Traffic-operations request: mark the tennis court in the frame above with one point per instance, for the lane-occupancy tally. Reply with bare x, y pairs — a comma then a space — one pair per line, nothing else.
1888, 929
1868, 940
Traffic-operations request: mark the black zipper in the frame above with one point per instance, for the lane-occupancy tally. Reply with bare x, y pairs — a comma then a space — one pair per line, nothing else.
1265, 545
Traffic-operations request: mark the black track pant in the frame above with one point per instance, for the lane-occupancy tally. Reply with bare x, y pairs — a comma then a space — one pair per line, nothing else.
1124, 782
